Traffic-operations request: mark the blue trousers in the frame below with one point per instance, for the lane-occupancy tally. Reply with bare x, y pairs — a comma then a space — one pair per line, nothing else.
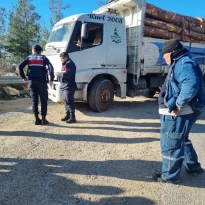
176, 148
68, 98
38, 88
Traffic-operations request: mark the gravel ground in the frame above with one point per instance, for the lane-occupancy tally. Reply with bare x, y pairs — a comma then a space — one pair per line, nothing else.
105, 158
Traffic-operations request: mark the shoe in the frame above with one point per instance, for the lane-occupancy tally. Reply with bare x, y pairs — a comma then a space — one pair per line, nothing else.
72, 118
37, 119
38, 122
67, 117
158, 178
195, 171
44, 121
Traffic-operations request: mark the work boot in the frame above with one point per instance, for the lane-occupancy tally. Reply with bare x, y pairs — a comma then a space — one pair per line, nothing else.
37, 120
67, 117
72, 118
44, 121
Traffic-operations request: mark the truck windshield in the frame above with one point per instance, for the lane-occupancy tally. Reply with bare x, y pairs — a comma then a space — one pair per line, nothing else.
61, 33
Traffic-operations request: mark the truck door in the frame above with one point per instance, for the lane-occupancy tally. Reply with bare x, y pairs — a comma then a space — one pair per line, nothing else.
88, 54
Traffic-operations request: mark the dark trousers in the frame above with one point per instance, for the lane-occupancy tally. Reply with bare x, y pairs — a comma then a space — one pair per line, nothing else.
38, 88
68, 98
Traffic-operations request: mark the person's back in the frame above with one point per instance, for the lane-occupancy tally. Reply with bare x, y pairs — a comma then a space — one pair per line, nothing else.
37, 81
198, 102
187, 68
36, 67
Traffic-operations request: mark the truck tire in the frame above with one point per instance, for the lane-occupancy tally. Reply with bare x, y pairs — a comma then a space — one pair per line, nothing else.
151, 93
101, 94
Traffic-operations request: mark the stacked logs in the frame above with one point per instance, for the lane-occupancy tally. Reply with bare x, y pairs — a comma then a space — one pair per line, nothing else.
168, 25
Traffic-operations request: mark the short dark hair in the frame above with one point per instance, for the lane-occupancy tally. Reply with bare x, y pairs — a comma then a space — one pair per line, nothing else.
64, 54
37, 47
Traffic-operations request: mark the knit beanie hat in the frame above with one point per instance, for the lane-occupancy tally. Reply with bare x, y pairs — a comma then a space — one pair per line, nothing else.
171, 45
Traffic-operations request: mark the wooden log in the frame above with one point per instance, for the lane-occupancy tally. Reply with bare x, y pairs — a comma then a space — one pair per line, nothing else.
195, 35
153, 32
173, 28
193, 27
168, 16
160, 33
202, 21
162, 25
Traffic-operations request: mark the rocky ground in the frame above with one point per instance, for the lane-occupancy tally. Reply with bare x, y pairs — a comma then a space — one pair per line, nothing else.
105, 158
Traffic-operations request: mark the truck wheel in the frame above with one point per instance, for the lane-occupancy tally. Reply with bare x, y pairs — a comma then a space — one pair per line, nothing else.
101, 94
151, 93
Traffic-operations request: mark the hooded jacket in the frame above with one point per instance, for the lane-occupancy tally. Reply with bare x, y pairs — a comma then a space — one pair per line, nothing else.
184, 84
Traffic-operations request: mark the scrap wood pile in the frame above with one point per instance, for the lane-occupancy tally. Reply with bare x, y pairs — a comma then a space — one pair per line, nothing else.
167, 25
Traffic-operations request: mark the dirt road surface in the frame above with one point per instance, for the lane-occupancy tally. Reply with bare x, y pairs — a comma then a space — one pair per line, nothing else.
104, 159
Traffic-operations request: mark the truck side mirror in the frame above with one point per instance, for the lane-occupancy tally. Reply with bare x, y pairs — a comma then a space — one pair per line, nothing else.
84, 30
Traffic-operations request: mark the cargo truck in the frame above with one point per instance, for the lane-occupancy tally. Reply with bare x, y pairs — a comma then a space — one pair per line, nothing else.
115, 57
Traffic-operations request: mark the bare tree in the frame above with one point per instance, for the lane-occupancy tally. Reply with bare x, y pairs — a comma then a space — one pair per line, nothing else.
56, 7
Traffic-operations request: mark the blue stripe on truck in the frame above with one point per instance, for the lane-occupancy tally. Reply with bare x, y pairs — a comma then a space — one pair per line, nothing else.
197, 53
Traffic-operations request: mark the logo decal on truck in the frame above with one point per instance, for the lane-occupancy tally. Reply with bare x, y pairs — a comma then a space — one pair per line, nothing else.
115, 37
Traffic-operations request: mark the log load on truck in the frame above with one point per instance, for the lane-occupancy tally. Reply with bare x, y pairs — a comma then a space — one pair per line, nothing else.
120, 50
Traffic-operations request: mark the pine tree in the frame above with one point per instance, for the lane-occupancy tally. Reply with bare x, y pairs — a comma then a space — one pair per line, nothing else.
2, 20
23, 29
2, 29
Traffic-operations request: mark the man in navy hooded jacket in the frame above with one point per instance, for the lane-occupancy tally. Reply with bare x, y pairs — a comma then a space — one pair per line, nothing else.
181, 102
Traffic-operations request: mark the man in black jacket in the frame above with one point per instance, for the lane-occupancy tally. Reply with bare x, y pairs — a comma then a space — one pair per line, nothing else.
68, 86
37, 81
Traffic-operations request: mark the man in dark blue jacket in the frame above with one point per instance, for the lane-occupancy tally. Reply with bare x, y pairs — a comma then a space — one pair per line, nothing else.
181, 102
37, 81
68, 86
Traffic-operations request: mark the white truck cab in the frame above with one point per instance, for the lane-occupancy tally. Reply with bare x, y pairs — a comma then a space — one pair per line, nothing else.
100, 58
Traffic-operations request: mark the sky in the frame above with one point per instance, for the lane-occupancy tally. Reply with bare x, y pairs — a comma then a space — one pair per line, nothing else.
184, 7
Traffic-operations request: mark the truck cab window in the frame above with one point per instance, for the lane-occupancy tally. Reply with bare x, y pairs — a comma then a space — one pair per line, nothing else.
95, 37
61, 33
